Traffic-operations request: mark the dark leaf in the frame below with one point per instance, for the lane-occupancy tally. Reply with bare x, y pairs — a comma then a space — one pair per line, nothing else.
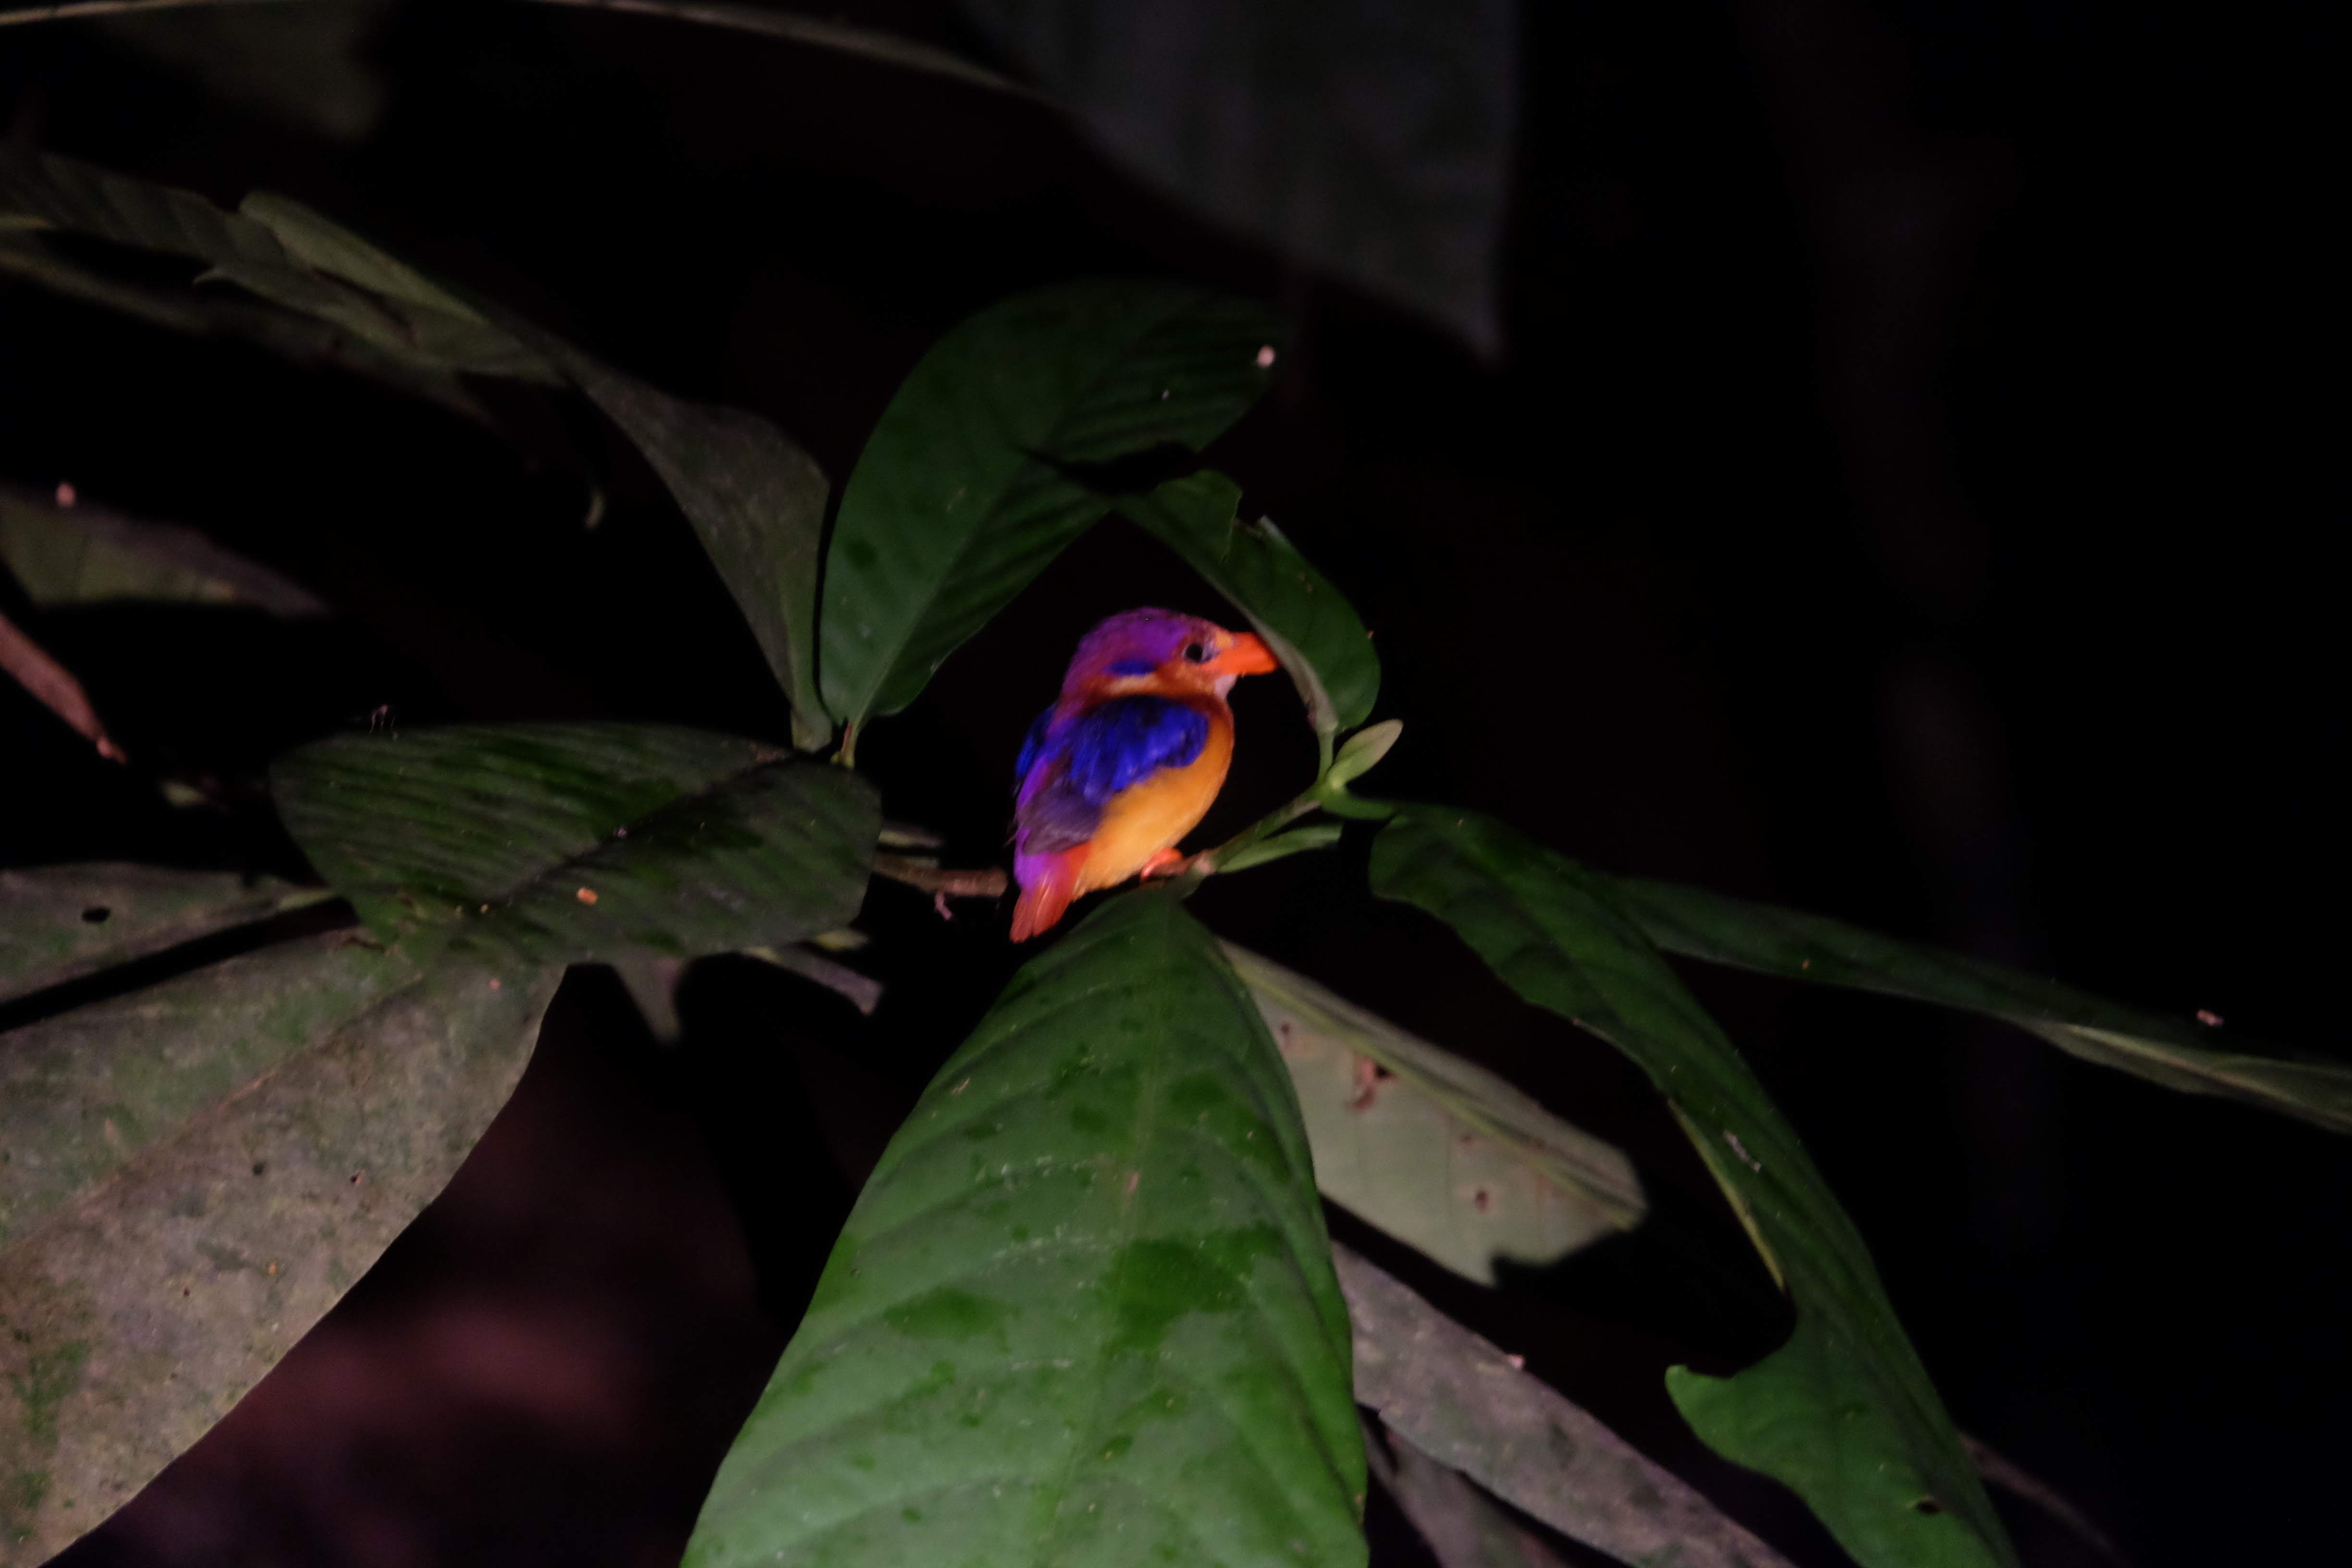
2173, 1052
558, 843
61, 922
1371, 139
1844, 1412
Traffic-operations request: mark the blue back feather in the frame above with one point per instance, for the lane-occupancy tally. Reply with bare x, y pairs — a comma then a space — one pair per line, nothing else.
1102, 751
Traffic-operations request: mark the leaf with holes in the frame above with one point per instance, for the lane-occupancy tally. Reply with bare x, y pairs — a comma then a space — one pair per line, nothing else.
1082, 1315
1844, 1412
567, 843
1436, 1150
1307, 622
992, 457
191, 1174
61, 922
2172, 1052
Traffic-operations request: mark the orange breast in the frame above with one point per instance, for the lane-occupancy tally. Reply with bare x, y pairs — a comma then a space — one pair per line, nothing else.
1140, 822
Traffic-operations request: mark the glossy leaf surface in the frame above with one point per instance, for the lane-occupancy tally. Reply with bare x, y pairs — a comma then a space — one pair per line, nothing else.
1083, 1313
1307, 622
193, 1173
966, 489
584, 841
1431, 1149
1844, 1412
2173, 1052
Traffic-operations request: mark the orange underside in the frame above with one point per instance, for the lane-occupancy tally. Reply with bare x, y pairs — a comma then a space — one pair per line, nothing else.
1137, 824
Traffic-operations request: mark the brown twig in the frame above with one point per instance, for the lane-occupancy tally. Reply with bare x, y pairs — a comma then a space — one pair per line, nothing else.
988, 882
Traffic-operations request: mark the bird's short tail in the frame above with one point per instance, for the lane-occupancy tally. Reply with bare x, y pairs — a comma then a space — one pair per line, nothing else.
1048, 883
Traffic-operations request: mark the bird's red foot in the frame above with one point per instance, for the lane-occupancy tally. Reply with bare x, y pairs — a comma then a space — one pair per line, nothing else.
1167, 863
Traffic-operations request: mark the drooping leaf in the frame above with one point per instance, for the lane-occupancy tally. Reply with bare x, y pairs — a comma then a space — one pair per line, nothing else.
195, 1174
2173, 1052
1468, 1406
1307, 622
755, 499
965, 491
1083, 1314
1434, 1149
555, 843
54, 686
1844, 1412
61, 922
87, 555
1463, 1525
1371, 139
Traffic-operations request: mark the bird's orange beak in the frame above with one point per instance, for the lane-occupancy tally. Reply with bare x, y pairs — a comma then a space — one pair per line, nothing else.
1246, 655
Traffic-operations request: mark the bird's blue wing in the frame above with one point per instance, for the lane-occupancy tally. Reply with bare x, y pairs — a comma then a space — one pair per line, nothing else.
1096, 755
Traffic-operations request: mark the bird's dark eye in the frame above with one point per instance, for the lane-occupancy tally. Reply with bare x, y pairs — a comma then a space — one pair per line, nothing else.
1194, 653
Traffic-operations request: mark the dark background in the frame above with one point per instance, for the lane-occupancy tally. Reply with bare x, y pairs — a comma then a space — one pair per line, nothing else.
1902, 494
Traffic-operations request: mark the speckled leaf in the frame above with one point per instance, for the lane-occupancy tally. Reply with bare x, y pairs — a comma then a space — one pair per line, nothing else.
191, 1175
1458, 1399
1844, 1412
61, 922
965, 492
556, 843
1307, 622
1082, 1315
2191, 1058
1434, 1149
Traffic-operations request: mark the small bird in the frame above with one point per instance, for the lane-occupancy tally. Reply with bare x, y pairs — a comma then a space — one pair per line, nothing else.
1127, 760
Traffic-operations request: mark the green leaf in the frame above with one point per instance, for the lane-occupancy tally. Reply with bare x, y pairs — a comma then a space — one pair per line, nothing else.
1435, 1151
193, 1174
966, 489
1307, 622
1366, 137
2174, 1053
1297, 841
1844, 1412
1082, 1315
1363, 751
85, 555
585, 842
1468, 1406
61, 922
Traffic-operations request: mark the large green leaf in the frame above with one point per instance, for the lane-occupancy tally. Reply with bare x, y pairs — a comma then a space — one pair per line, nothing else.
755, 499
1083, 1313
61, 922
1434, 1149
191, 1175
1307, 622
1844, 1412
2172, 1052
1369, 137
965, 491
1465, 1403
558, 843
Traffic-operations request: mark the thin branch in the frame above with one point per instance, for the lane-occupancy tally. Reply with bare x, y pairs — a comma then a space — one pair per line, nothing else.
988, 882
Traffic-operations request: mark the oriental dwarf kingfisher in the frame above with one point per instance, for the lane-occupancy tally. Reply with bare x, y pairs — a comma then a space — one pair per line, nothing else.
1127, 760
